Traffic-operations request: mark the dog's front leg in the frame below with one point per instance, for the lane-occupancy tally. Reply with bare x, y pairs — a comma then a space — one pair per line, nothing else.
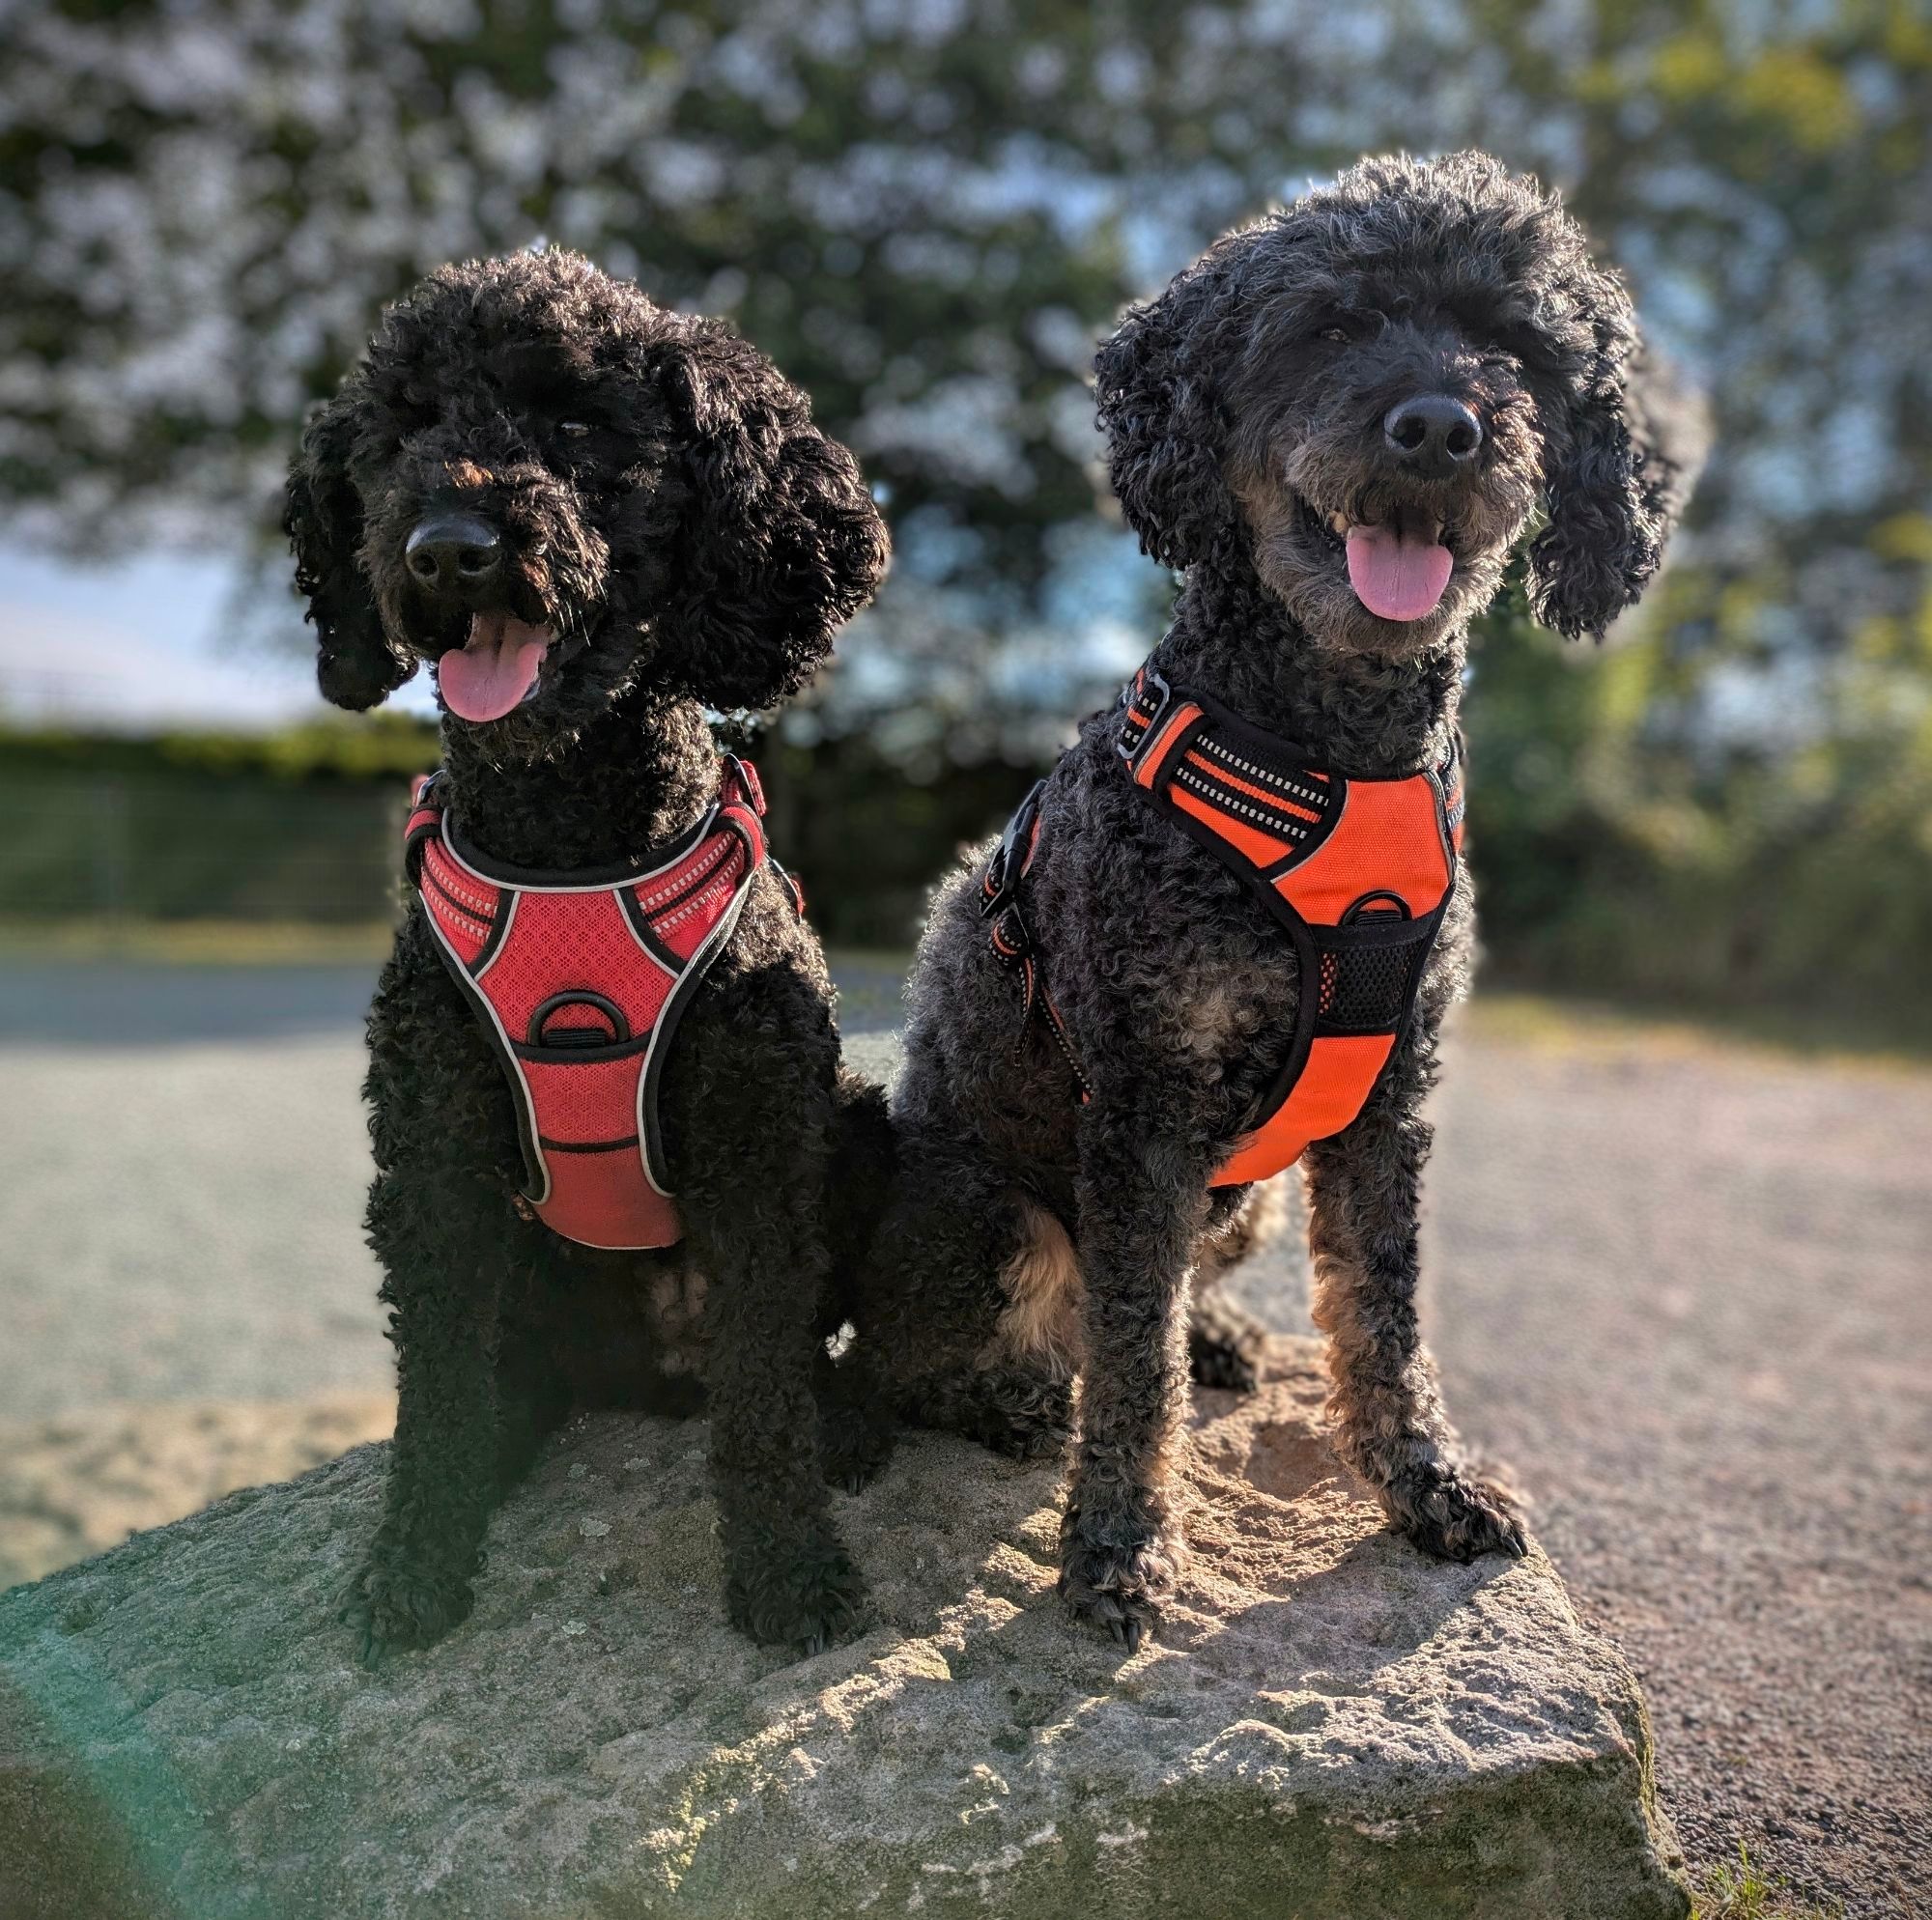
1122, 1542
754, 1211
1363, 1187
445, 1271
786, 1576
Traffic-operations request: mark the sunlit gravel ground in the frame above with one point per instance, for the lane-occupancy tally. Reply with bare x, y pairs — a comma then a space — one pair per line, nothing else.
1680, 1288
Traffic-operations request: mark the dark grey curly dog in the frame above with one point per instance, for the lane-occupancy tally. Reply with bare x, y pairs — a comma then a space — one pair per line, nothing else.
594, 519
1339, 422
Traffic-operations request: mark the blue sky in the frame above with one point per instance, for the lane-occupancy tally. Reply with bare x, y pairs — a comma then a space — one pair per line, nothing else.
142, 643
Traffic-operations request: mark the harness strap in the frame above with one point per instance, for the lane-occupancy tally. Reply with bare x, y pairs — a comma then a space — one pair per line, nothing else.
1257, 796
425, 821
1012, 939
1358, 873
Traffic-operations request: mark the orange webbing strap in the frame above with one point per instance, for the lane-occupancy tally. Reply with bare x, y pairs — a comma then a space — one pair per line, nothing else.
1255, 801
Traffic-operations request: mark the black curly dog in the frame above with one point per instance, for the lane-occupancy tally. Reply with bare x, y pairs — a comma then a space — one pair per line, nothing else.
1416, 345
646, 491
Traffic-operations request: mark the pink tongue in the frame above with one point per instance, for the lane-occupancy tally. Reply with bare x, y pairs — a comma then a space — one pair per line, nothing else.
485, 679
1395, 576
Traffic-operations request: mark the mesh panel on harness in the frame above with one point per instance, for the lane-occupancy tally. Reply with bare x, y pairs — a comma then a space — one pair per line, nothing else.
1357, 872
1366, 991
579, 981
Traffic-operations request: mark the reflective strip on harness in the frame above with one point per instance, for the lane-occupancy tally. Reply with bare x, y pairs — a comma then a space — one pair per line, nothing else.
1357, 872
579, 980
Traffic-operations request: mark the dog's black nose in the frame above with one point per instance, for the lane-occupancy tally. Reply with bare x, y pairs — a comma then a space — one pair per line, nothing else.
453, 552
1432, 435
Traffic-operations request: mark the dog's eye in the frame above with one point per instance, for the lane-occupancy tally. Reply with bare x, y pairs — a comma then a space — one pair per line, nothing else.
573, 430
1339, 334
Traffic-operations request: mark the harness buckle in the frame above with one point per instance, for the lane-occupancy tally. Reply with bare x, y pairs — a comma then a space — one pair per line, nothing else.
731, 768
423, 821
1137, 689
1008, 866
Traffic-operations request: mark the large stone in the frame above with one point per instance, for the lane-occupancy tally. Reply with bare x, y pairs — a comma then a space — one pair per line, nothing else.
1330, 1727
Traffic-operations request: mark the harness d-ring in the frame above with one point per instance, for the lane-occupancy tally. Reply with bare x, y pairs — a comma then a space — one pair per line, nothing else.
1366, 909
540, 1035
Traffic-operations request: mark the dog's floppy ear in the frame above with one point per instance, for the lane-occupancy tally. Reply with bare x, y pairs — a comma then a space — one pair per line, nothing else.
356, 665
1603, 540
1162, 421
780, 543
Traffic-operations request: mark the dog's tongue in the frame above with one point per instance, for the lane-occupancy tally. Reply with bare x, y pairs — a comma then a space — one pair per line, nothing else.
1395, 574
483, 680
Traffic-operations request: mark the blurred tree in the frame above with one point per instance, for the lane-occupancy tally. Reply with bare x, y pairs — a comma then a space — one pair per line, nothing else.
925, 210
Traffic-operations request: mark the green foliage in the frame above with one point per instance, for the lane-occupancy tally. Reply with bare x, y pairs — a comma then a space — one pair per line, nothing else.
1618, 850
386, 748
927, 209
1745, 1893
300, 825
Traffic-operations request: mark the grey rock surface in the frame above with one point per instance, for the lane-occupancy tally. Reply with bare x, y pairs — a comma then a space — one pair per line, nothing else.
1329, 1727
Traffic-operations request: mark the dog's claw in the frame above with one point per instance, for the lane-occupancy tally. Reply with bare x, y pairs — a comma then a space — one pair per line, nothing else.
1459, 1517
853, 1453
1116, 1587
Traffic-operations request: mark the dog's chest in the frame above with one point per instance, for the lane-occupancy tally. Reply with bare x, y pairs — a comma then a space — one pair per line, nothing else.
1228, 1005
1215, 986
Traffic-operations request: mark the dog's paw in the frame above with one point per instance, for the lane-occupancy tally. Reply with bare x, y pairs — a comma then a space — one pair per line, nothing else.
1118, 1588
1454, 1515
1027, 1436
392, 1609
1219, 1360
854, 1445
805, 1596
1024, 1416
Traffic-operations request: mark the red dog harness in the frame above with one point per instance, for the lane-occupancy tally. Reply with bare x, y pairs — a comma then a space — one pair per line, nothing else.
1357, 872
578, 979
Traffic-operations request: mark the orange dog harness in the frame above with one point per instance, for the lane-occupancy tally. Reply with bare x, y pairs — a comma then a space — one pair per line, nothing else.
579, 980
1357, 872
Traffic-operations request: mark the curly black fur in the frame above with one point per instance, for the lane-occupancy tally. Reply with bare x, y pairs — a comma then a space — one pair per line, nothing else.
669, 515
1029, 1234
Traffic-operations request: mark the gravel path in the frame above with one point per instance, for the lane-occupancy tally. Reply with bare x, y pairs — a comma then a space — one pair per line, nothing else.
1680, 1289
1684, 1295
